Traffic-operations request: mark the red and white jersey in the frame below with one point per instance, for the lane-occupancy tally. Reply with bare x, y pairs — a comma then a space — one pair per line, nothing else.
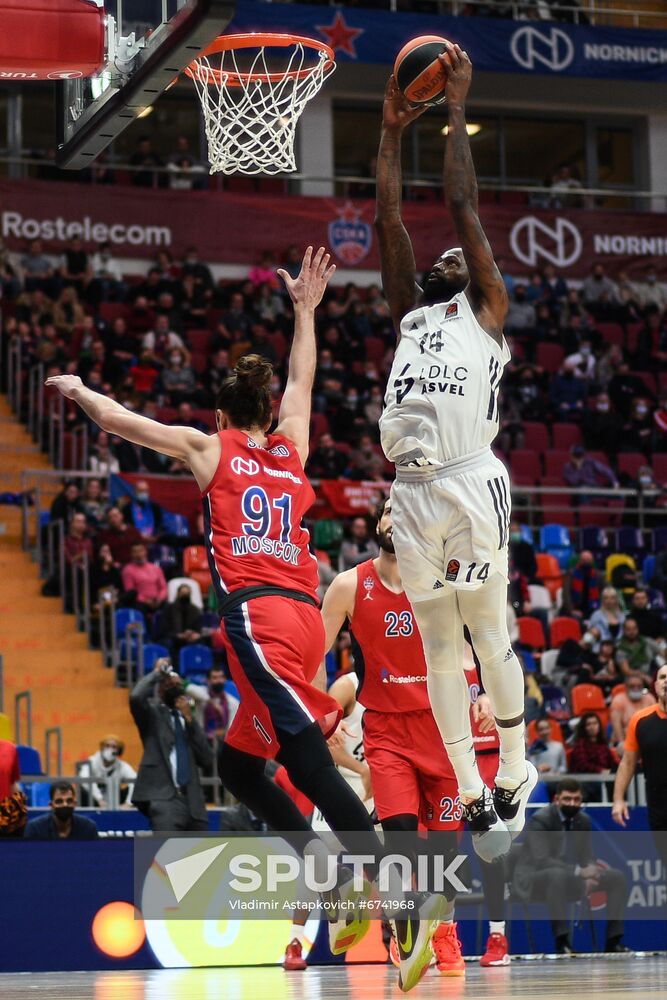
253, 512
388, 652
483, 742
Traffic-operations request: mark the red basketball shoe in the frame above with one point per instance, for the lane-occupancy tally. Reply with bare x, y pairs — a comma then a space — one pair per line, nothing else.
447, 949
497, 952
294, 960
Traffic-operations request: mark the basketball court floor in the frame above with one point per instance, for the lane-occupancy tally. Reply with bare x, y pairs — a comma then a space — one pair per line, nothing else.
634, 978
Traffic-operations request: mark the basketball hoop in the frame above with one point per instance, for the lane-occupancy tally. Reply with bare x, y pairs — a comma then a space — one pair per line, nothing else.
251, 108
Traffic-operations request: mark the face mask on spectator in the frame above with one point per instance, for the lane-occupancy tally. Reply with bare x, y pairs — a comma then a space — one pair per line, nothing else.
569, 812
142, 496
645, 481
515, 536
109, 755
63, 813
217, 688
585, 352
603, 407
174, 359
635, 695
641, 411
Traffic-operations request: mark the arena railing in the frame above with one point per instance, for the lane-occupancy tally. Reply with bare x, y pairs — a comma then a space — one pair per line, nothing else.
537, 194
23, 699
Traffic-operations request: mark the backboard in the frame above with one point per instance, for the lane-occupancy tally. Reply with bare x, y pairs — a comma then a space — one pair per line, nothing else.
148, 43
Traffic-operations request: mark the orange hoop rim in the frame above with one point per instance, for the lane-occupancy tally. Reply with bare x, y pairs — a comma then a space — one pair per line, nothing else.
255, 39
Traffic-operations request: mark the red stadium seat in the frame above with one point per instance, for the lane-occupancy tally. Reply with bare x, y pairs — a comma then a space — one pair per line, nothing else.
319, 425
565, 435
632, 335
660, 467
549, 356
554, 460
562, 629
205, 417
611, 333
531, 632
630, 462
536, 436
549, 572
195, 565
648, 378
279, 345
589, 698
375, 349
199, 361
198, 340
110, 311
556, 731
525, 466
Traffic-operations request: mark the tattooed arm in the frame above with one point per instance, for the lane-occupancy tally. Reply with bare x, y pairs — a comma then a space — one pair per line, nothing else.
396, 254
486, 291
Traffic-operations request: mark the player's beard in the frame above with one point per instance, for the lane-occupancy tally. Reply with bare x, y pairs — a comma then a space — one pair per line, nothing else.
386, 543
439, 289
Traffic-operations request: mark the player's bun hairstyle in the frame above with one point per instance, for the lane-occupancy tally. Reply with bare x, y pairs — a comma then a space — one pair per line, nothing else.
244, 396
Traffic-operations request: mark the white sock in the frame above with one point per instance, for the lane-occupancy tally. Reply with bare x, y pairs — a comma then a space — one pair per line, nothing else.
497, 927
297, 933
512, 769
463, 760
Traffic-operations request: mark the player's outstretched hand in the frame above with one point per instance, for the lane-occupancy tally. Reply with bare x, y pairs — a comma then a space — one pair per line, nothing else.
456, 64
65, 384
397, 112
308, 287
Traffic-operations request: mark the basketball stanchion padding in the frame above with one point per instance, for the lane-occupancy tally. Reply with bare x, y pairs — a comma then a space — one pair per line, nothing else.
252, 105
50, 39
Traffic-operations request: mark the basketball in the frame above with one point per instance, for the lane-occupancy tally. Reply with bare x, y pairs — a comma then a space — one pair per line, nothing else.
418, 73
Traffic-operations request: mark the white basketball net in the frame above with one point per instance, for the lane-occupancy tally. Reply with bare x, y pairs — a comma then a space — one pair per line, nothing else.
251, 124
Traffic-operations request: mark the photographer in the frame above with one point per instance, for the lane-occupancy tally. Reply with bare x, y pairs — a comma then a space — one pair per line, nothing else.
168, 789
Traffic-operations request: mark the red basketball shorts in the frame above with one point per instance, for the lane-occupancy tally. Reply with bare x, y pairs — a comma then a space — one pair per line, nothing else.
487, 765
274, 647
410, 770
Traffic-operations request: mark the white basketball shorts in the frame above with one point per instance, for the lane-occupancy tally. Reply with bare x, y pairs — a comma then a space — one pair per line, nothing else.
451, 526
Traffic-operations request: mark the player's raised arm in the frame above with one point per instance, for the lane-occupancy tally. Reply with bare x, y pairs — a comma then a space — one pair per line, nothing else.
338, 604
397, 259
185, 443
487, 290
306, 291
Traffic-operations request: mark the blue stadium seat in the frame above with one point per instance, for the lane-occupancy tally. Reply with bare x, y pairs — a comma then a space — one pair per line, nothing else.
30, 761
152, 652
555, 539
659, 539
210, 619
175, 524
555, 704
526, 534
231, 688
648, 568
166, 558
194, 660
600, 541
123, 618
631, 541
40, 794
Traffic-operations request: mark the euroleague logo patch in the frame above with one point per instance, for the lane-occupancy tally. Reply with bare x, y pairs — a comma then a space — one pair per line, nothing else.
369, 583
453, 567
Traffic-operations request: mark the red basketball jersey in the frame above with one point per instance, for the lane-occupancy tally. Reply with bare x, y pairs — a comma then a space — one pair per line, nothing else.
253, 512
483, 741
388, 653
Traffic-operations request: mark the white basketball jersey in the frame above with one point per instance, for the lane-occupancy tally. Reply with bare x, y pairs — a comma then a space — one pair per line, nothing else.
354, 744
441, 402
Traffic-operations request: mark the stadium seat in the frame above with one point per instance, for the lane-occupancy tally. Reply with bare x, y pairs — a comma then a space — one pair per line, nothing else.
555, 539
195, 589
375, 349
555, 704
659, 464
175, 524
6, 728
319, 425
550, 357
659, 539
40, 794
589, 698
540, 597
111, 311
632, 332
631, 540
600, 541
199, 361
531, 632
630, 462
153, 651
30, 761
648, 378
195, 565
536, 436
617, 559
617, 689
562, 629
279, 345
565, 435
648, 569
128, 616
549, 572
554, 460
327, 534
556, 731
548, 662
166, 557
526, 534
612, 333
525, 466
199, 340
194, 660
